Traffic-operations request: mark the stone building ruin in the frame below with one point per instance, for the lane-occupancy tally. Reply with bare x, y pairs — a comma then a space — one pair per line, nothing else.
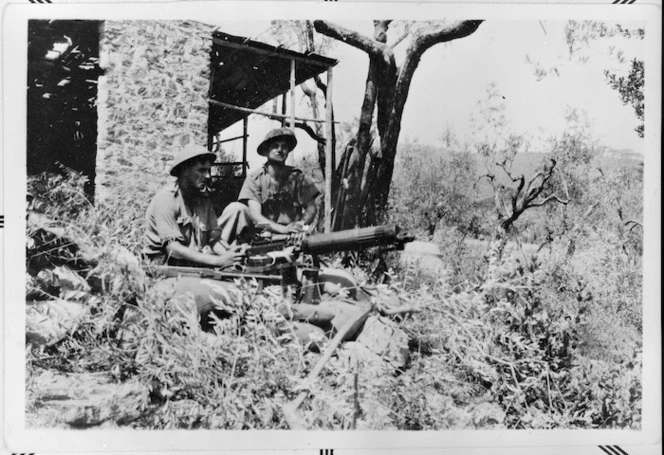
115, 100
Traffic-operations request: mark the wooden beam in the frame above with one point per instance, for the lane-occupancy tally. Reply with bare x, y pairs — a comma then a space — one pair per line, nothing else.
266, 114
284, 53
328, 152
229, 139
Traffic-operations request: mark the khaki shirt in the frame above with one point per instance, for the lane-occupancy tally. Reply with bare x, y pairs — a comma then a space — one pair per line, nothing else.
169, 219
281, 202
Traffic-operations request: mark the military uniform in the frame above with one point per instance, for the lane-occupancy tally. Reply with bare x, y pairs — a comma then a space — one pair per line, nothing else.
282, 202
192, 224
169, 218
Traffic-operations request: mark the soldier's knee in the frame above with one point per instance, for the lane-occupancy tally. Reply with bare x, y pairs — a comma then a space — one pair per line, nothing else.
233, 209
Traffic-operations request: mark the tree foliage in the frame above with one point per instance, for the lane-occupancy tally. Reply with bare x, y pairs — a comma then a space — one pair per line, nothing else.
580, 36
630, 88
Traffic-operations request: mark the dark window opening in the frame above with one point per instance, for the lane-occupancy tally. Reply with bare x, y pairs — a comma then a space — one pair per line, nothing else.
63, 69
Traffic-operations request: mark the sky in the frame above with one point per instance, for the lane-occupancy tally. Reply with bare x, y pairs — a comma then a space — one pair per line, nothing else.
453, 77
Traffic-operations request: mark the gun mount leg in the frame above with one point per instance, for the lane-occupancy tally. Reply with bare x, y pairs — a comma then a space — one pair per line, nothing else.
289, 282
310, 286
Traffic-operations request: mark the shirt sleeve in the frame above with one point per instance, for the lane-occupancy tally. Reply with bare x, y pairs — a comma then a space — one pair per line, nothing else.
307, 190
163, 219
251, 189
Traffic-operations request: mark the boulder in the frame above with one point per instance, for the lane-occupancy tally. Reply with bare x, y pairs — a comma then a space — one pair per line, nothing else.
49, 321
385, 339
422, 255
309, 335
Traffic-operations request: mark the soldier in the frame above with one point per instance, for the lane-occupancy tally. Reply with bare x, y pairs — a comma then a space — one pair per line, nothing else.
181, 226
277, 198
181, 229
282, 200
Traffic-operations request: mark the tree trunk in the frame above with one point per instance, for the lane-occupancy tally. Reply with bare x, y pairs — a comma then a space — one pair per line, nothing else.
496, 249
357, 159
386, 90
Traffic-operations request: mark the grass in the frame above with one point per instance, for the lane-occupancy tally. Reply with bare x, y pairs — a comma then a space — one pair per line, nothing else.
524, 352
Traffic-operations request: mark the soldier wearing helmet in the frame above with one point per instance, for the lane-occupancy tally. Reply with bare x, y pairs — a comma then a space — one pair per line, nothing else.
181, 226
277, 198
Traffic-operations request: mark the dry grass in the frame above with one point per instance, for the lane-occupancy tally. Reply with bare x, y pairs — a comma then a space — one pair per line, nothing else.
506, 354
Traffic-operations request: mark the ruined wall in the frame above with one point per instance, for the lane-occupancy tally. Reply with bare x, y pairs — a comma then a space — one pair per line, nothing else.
152, 101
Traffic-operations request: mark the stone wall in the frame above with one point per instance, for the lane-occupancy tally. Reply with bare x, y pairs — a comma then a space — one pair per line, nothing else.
152, 101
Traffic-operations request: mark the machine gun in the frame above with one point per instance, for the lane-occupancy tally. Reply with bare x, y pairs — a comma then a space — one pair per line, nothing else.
275, 259
389, 237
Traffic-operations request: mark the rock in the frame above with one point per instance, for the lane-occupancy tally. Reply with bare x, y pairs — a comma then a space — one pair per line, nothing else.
354, 353
487, 415
385, 339
84, 400
423, 255
309, 335
49, 321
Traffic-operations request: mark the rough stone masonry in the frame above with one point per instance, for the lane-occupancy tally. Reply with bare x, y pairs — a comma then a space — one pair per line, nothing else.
152, 101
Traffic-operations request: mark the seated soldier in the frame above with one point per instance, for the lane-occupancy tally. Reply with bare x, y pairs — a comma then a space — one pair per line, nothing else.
181, 229
277, 198
280, 199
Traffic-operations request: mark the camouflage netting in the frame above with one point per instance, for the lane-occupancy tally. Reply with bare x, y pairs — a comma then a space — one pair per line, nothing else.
152, 101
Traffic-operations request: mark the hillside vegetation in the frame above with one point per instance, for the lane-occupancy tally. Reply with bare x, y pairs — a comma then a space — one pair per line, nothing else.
552, 340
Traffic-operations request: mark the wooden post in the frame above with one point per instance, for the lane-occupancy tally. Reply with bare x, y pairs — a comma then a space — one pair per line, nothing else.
245, 125
292, 105
328, 152
283, 110
292, 95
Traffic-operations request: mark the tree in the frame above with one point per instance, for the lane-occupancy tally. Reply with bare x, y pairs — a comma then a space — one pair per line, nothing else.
630, 89
367, 176
579, 36
432, 187
513, 193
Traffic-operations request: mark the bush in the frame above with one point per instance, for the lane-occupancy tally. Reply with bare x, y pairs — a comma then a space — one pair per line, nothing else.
545, 345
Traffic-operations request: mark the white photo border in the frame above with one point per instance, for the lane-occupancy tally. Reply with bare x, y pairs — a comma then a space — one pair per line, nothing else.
14, 56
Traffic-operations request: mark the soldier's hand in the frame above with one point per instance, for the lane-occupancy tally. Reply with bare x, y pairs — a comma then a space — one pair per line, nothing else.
294, 227
234, 255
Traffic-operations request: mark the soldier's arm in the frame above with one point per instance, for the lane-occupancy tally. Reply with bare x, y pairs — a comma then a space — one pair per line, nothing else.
256, 213
310, 211
177, 250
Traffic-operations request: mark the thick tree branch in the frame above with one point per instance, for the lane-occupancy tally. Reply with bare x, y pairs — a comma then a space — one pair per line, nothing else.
449, 33
321, 86
350, 37
550, 198
420, 43
306, 128
517, 195
308, 91
546, 174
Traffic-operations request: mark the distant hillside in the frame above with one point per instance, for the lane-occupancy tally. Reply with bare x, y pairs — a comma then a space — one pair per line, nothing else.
527, 164
617, 158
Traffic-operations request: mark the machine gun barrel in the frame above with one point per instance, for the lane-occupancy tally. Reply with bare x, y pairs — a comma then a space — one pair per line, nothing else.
351, 239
